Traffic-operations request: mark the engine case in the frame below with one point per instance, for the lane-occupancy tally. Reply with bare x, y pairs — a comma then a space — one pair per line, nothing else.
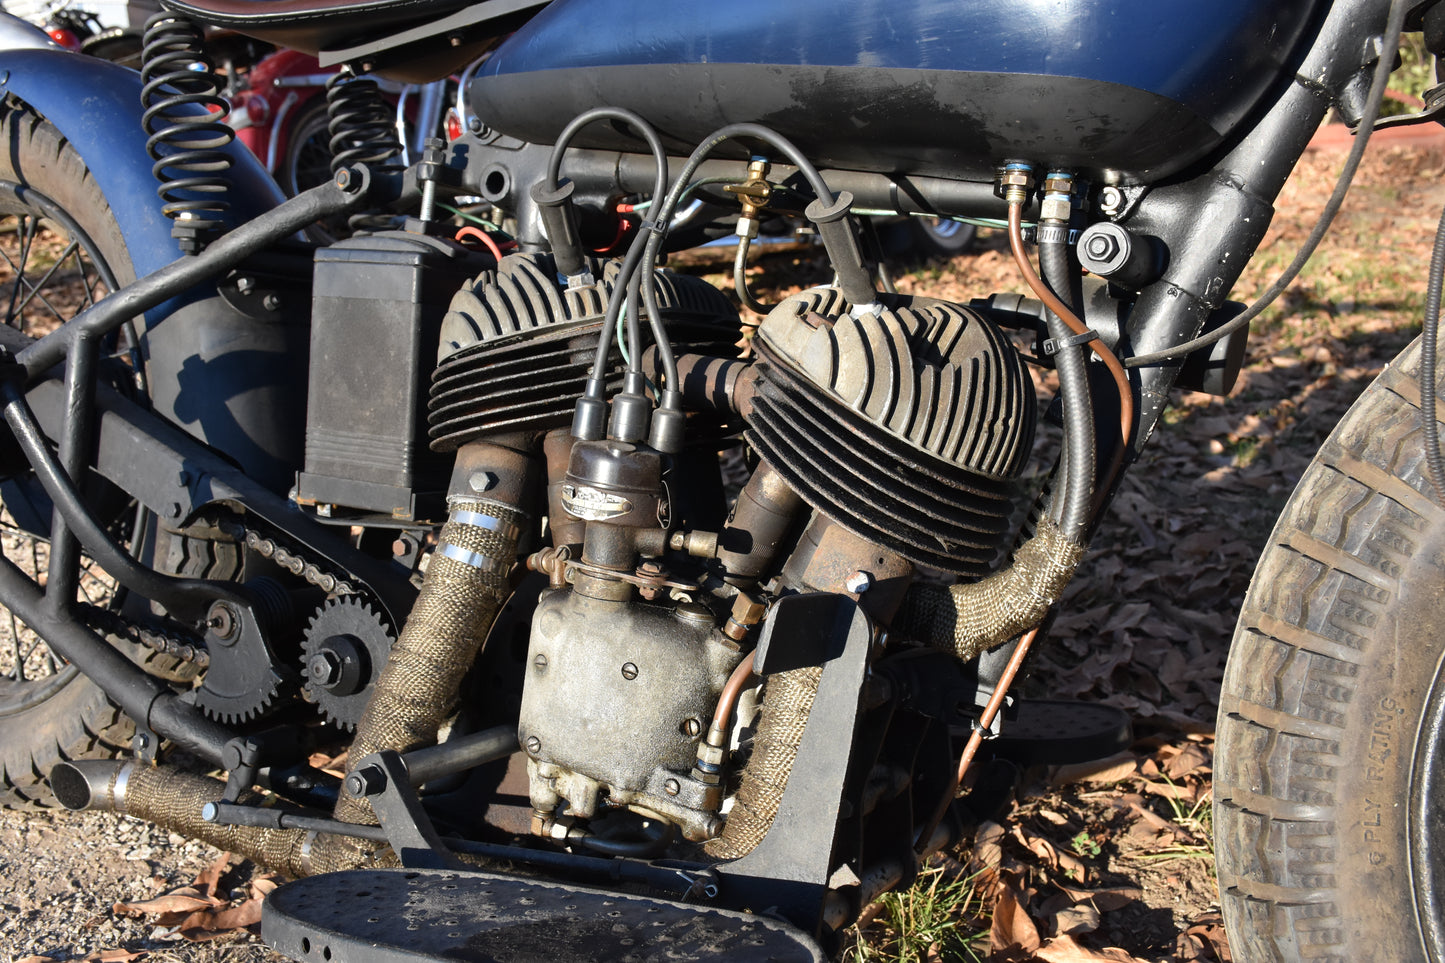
617, 697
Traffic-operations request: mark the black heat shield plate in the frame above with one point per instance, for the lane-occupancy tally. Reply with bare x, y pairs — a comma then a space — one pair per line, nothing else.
392, 915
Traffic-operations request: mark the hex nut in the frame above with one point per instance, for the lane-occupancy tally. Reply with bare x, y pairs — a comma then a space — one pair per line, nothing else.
1104, 248
711, 755
366, 781
748, 609
1055, 209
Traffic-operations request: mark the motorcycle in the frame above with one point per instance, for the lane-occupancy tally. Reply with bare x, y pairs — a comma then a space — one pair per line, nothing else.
450, 499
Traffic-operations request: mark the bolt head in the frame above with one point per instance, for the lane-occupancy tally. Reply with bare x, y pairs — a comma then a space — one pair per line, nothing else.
367, 781
1101, 246
858, 582
324, 668
692, 726
1111, 200
672, 787
629, 671
534, 745
482, 481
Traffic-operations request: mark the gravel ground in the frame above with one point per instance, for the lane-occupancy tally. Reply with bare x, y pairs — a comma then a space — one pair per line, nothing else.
62, 873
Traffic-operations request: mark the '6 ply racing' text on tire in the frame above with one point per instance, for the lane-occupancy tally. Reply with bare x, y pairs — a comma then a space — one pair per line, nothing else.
1329, 792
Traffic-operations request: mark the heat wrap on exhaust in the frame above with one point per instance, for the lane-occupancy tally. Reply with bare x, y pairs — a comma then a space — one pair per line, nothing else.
174, 798
787, 700
465, 585
969, 619
963, 619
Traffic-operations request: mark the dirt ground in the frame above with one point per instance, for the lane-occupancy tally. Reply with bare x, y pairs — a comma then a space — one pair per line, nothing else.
1113, 862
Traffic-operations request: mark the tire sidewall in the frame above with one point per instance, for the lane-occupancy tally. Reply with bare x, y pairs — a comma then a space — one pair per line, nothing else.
1331, 875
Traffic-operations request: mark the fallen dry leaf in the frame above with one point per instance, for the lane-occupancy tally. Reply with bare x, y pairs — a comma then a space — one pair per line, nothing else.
1012, 928
1074, 920
210, 877
1209, 932
1065, 949
171, 904
202, 926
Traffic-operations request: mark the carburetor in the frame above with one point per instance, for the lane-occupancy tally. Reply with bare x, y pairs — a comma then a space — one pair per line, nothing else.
619, 691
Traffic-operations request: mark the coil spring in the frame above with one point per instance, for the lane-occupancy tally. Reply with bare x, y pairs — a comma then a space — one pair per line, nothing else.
360, 123
184, 121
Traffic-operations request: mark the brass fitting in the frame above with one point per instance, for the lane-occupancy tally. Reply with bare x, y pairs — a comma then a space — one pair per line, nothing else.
753, 194
748, 610
1014, 183
1057, 204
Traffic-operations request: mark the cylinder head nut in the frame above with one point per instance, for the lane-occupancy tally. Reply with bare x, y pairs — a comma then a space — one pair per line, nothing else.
1111, 200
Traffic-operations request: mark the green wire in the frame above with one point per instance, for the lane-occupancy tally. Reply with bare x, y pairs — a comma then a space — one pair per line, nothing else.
976, 221
475, 220
691, 189
622, 334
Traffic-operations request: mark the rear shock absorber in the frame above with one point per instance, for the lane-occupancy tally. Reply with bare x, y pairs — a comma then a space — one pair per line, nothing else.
362, 131
187, 134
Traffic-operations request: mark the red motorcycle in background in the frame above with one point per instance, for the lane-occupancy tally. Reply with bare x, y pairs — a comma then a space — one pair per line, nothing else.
278, 110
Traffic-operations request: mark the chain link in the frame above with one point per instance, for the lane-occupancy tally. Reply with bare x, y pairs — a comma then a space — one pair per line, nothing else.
295, 564
165, 641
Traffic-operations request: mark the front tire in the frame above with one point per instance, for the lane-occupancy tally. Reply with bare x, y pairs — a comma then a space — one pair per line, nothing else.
1330, 803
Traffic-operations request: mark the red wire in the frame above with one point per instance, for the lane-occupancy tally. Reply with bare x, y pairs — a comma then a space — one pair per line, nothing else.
480, 235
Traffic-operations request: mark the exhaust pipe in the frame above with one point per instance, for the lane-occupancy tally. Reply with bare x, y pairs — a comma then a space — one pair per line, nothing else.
467, 580
173, 799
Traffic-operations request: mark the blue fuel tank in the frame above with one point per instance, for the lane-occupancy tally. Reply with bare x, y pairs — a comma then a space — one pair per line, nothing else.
1124, 90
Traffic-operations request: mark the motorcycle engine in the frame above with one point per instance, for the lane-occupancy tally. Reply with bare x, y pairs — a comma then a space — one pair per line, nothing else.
900, 429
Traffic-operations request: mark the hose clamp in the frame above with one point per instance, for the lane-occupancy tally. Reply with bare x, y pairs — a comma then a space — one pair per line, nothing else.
490, 522
476, 560
305, 856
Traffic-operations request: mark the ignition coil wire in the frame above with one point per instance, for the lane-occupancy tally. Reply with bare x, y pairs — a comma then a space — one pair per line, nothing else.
663, 215
1327, 216
659, 157
633, 120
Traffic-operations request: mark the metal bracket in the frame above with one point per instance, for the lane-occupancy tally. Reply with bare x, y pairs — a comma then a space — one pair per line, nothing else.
382, 778
788, 871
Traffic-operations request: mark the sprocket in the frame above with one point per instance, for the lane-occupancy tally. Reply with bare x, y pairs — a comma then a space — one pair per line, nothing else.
244, 678
347, 642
